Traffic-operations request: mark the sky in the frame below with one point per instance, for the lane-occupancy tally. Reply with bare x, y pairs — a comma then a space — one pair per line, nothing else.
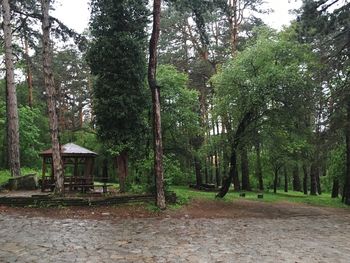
76, 13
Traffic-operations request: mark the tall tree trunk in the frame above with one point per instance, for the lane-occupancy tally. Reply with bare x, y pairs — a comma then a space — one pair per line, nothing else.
218, 160
12, 110
335, 188
157, 130
235, 178
305, 179
233, 21
29, 73
198, 168
51, 100
211, 173
215, 156
296, 179
258, 171
318, 182
233, 174
285, 172
217, 170
245, 169
122, 166
275, 181
105, 176
313, 175
206, 171
346, 196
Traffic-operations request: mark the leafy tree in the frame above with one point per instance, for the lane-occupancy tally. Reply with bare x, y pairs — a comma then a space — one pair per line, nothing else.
272, 75
180, 120
116, 57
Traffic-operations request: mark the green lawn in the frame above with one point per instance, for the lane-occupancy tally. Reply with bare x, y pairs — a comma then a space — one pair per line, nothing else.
185, 194
4, 176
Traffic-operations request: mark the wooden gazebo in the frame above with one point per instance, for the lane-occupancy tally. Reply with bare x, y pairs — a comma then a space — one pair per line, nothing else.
78, 166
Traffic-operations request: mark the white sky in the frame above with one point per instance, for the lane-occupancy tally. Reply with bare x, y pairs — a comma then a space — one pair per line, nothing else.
76, 13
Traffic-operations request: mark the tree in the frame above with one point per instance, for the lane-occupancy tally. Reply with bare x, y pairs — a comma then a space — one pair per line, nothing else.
325, 24
51, 99
155, 89
268, 78
180, 119
116, 57
11, 105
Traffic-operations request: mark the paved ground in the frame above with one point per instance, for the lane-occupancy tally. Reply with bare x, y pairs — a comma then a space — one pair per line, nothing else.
319, 235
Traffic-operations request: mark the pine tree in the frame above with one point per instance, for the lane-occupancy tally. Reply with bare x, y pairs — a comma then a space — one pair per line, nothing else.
12, 111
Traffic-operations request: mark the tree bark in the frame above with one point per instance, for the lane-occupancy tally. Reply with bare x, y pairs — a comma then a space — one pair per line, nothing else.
313, 175
245, 169
285, 172
206, 171
346, 196
122, 166
275, 181
318, 182
258, 166
157, 130
227, 180
233, 174
296, 179
305, 179
12, 110
29, 73
198, 168
233, 21
335, 188
217, 169
51, 100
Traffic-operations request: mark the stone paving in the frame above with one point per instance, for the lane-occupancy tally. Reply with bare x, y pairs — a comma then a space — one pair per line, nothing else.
297, 239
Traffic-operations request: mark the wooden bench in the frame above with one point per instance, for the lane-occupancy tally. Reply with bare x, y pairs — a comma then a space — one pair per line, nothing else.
69, 182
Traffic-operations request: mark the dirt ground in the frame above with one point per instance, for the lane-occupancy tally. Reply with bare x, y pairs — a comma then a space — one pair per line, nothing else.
196, 209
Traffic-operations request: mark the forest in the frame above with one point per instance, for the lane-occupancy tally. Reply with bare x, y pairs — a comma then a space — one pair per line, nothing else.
181, 93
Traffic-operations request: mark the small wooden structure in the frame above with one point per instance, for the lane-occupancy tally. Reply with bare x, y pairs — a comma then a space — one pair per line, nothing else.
78, 166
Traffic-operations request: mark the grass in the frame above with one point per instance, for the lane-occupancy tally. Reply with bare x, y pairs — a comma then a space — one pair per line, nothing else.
185, 194
5, 175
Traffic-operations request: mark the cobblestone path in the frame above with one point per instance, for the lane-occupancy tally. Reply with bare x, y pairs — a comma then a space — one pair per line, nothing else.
297, 239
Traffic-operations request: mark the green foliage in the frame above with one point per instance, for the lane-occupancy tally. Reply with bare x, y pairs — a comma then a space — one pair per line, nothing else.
337, 164
180, 106
30, 123
267, 75
117, 60
5, 175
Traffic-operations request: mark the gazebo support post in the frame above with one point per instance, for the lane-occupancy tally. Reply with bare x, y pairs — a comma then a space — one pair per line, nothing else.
43, 181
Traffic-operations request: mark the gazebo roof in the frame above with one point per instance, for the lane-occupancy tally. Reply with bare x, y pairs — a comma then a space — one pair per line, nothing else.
71, 150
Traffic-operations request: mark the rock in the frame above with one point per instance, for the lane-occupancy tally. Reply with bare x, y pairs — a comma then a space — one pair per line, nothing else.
26, 182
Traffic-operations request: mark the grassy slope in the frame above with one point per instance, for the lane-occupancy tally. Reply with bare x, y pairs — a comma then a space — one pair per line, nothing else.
185, 194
